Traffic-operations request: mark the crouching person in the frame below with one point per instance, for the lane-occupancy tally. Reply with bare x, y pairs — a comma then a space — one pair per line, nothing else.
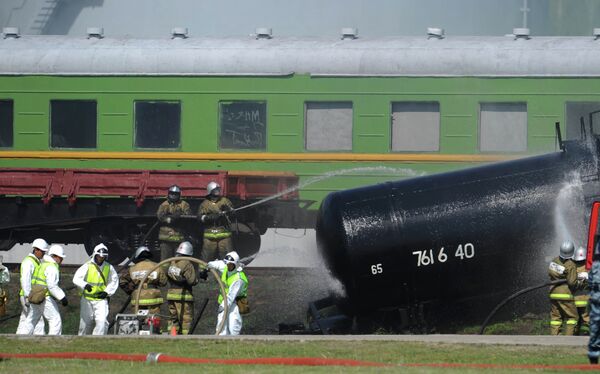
97, 280
45, 292
236, 288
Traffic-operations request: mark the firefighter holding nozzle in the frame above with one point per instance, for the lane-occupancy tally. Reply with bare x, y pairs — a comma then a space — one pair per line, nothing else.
236, 288
563, 309
171, 231
213, 213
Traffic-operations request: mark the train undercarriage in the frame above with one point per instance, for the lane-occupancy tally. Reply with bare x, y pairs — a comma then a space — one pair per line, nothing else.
119, 208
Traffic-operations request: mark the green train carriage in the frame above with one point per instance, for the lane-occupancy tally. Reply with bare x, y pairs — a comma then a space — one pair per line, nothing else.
370, 110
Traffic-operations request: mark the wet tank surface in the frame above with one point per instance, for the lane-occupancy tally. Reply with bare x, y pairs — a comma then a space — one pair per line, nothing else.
468, 237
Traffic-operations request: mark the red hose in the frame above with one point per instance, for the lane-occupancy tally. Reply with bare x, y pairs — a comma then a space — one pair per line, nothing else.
293, 361
157, 357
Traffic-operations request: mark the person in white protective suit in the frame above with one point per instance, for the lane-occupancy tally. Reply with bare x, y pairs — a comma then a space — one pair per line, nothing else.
28, 266
97, 280
48, 275
236, 288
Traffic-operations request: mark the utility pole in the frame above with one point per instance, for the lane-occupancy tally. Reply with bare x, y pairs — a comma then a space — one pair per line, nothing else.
525, 10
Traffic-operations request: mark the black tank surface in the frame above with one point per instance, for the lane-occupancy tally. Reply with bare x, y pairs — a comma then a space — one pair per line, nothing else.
450, 237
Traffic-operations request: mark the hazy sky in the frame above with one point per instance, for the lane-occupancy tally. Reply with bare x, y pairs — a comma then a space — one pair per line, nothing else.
155, 18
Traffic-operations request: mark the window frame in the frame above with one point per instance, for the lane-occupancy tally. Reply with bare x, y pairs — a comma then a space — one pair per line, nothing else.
305, 148
479, 132
179, 147
391, 133
219, 127
12, 141
95, 148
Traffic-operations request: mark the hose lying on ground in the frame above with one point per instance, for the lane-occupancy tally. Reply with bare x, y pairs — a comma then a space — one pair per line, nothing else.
515, 295
160, 358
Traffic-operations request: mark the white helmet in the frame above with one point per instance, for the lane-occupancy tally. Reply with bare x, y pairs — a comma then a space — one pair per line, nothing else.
185, 248
56, 250
40, 244
232, 258
566, 250
580, 254
139, 251
100, 250
212, 187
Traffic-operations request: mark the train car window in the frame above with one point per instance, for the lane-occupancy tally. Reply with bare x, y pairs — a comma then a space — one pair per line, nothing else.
415, 126
328, 126
587, 112
73, 123
243, 125
503, 127
6, 123
157, 124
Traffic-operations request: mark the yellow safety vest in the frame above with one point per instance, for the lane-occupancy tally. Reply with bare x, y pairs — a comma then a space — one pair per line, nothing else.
94, 279
228, 281
39, 276
36, 265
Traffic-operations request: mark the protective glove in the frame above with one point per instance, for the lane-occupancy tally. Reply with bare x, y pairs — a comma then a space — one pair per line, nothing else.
64, 301
221, 309
203, 274
168, 220
25, 304
88, 287
102, 295
583, 275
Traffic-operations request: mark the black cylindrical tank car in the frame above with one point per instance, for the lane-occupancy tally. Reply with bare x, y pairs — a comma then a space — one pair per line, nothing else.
447, 238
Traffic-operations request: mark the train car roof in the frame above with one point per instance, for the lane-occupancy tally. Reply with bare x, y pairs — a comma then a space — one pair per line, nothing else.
504, 56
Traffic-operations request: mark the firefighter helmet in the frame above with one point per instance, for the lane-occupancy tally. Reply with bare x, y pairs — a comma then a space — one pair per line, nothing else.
580, 254
213, 189
566, 250
185, 249
140, 251
174, 193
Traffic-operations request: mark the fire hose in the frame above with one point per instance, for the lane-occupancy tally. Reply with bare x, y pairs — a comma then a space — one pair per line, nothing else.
515, 295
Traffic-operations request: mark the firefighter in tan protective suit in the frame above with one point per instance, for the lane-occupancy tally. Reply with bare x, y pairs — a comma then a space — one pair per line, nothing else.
561, 296
171, 232
150, 296
182, 278
217, 231
582, 292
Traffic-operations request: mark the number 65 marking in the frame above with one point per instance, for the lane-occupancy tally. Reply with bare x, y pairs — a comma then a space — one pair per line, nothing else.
376, 269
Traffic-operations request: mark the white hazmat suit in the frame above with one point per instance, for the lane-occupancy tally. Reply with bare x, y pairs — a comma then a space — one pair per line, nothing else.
49, 307
95, 311
27, 269
233, 322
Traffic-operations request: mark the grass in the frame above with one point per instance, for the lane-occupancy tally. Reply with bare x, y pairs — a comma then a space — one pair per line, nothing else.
383, 352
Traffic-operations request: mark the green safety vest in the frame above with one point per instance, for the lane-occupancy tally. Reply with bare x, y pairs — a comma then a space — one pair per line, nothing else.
36, 265
228, 281
94, 279
39, 276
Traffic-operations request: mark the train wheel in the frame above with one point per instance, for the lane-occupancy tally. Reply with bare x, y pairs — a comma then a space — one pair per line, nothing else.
114, 235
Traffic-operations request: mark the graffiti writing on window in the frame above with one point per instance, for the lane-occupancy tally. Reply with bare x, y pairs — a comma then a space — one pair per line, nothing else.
243, 125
